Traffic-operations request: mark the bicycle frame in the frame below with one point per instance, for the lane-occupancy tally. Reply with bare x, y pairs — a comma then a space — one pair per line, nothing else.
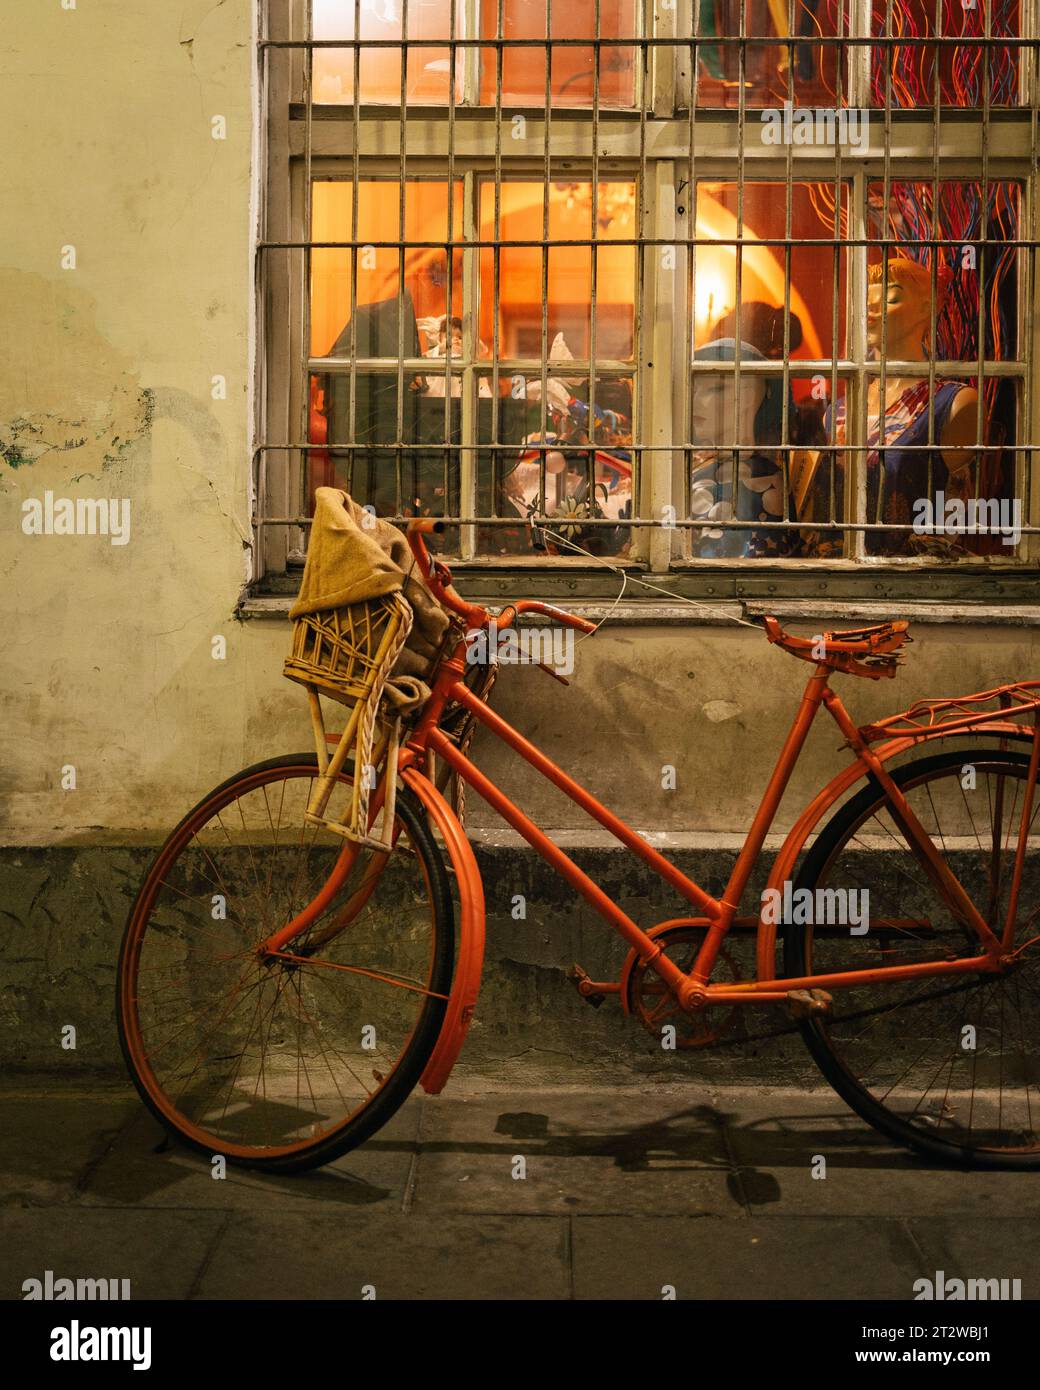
719, 916
694, 990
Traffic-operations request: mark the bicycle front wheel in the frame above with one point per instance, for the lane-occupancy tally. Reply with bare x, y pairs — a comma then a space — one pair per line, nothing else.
283, 1063
947, 1064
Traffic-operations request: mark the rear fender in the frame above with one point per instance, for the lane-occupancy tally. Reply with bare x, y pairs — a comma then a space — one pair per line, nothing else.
783, 866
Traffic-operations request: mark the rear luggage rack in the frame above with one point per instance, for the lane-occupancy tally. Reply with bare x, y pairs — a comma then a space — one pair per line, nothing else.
926, 716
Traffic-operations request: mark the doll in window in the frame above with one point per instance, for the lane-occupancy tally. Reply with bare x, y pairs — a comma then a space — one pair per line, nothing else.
435, 332
901, 470
737, 477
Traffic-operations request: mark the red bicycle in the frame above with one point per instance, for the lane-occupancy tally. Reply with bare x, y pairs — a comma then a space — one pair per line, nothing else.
282, 989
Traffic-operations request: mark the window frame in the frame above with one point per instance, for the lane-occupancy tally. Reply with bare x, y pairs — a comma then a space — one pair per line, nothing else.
651, 142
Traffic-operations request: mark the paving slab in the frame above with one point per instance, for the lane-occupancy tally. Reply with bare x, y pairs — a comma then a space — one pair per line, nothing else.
982, 1246
781, 1257
50, 1139
778, 1137
144, 1169
161, 1253
288, 1255
573, 1150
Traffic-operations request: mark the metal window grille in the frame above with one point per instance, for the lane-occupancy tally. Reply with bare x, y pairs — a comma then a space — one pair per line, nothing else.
656, 121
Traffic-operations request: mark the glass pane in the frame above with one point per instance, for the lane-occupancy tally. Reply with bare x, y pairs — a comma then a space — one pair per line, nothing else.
379, 267
573, 65
947, 490
904, 75
381, 407
763, 269
817, 473
772, 72
738, 468
570, 451
418, 477
577, 473
563, 299
429, 65
963, 270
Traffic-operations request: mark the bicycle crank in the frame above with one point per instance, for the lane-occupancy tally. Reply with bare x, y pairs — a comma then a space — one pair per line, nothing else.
646, 996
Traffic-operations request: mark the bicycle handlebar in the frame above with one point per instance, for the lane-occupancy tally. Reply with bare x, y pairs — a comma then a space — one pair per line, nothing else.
438, 579
547, 610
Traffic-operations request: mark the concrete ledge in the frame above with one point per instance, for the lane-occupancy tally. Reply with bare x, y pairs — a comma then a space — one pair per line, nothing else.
66, 906
967, 614
706, 613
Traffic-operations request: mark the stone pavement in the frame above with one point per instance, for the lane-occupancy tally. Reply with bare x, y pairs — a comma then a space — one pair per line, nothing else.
627, 1189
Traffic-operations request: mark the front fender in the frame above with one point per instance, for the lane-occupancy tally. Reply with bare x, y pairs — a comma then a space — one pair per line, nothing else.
464, 987
810, 818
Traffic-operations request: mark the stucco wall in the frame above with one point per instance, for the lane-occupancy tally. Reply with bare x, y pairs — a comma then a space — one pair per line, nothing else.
105, 392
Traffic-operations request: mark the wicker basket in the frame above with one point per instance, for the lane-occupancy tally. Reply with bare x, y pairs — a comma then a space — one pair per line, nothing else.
347, 654
340, 651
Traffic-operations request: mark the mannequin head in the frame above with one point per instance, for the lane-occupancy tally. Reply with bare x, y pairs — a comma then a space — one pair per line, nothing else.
762, 325
905, 309
456, 337
712, 401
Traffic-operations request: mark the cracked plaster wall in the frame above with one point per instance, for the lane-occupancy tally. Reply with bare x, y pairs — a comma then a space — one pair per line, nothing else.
105, 392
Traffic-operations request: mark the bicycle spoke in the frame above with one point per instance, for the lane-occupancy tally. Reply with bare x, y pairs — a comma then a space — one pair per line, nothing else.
268, 1055
956, 1063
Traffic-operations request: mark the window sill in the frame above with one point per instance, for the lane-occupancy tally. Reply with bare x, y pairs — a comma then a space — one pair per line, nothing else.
701, 613
979, 594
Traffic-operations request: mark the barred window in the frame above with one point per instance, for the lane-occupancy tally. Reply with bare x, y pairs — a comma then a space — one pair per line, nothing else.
715, 288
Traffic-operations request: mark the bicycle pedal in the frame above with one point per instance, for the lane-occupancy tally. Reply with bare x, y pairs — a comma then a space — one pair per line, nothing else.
808, 1003
579, 977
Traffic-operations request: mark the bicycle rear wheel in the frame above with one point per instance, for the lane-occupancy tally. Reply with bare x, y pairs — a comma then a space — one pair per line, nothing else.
949, 1065
282, 1064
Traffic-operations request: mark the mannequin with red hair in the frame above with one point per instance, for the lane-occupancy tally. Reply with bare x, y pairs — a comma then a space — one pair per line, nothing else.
901, 468
906, 310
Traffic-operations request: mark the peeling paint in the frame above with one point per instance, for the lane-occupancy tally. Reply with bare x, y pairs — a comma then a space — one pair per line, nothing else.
64, 390
720, 710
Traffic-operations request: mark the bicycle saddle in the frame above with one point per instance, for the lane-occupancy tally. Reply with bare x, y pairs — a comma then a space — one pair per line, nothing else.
860, 651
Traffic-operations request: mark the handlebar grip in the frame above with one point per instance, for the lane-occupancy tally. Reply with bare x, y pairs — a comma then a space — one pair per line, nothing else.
426, 525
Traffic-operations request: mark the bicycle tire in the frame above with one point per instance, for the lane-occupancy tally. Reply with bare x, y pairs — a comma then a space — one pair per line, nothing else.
395, 1087
918, 1129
